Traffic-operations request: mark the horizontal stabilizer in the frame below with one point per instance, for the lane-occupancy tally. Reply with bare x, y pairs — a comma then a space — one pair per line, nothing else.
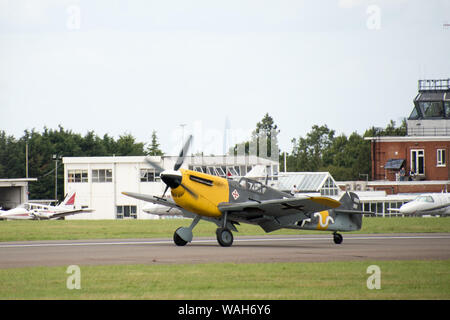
350, 211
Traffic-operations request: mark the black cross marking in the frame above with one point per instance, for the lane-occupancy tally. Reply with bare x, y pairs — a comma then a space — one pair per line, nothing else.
287, 206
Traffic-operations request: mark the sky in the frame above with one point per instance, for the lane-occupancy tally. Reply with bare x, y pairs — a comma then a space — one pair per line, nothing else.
213, 67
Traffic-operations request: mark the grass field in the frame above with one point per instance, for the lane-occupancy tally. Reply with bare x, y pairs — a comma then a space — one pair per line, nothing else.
123, 229
332, 280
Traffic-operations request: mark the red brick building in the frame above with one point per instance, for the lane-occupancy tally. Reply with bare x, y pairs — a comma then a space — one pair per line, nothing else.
422, 158
417, 162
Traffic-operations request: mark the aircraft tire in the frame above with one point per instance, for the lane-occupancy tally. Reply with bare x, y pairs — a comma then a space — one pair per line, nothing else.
337, 238
178, 240
224, 237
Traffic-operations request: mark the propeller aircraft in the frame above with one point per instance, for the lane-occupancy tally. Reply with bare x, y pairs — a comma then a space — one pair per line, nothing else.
227, 203
35, 211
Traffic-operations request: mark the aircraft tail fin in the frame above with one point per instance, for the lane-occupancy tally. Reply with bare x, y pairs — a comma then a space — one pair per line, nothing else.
69, 200
350, 210
346, 217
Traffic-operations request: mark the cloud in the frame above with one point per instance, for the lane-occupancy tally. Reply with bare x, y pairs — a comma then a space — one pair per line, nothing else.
348, 4
30, 13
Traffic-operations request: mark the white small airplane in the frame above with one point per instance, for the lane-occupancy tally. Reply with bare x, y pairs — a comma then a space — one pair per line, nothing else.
35, 211
427, 204
161, 210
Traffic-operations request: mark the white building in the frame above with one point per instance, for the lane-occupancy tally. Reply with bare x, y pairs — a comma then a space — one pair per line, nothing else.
13, 192
99, 181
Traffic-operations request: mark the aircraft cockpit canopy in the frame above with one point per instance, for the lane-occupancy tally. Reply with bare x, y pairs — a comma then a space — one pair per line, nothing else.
425, 199
252, 185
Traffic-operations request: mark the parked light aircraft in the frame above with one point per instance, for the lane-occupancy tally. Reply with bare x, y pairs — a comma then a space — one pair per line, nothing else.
228, 203
35, 211
427, 204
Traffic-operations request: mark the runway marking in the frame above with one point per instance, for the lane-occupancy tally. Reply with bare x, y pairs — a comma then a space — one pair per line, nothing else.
214, 240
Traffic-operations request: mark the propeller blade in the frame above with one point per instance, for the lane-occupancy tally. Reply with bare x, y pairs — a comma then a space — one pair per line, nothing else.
183, 154
165, 190
156, 166
192, 193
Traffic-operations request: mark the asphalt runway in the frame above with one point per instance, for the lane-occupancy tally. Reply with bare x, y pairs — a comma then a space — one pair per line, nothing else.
250, 249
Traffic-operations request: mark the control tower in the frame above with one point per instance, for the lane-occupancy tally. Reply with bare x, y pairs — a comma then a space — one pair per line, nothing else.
431, 113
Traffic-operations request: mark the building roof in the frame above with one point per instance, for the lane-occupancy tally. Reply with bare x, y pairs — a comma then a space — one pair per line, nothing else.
16, 182
394, 164
408, 138
189, 160
305, 181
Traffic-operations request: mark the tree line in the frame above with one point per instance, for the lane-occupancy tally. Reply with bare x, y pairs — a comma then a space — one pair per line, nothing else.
51, 145
346, 158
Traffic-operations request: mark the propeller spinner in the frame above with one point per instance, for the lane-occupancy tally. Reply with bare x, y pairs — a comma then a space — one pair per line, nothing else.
173, 178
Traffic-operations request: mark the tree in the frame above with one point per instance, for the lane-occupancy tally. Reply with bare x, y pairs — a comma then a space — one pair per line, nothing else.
60, 142
264, 136
390, 130
345, 158
153, 149
266, 130
310, 152
127, 146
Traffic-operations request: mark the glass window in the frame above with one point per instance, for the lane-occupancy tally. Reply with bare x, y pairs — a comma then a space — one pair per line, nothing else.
373, 207
425, 199
147, 175
102, 175
414, 114
447, 109
109, 175
128, 212
366, 207
231, 171
77, 176
432, 109
379, 207
441, 160
418, 161
329, 188
119, 212
220, 171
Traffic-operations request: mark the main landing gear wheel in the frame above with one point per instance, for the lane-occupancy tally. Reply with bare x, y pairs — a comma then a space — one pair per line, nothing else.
224, 237
178, 240
337, 238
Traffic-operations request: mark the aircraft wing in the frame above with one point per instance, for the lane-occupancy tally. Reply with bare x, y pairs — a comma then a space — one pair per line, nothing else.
68, 213
152, 199
271, 215
281, 207
162, 201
